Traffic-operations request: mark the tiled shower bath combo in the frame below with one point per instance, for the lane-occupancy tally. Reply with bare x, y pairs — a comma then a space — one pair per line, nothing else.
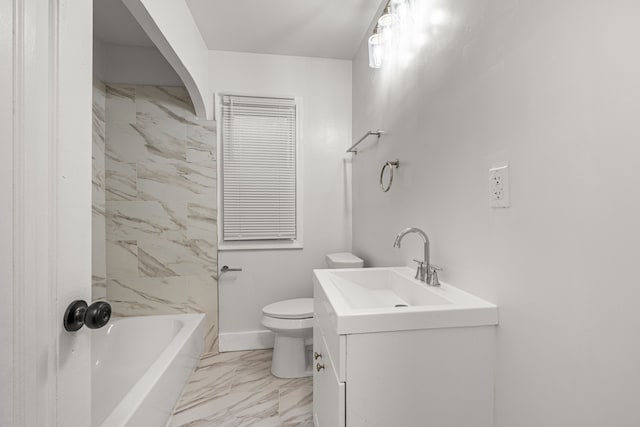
154, 204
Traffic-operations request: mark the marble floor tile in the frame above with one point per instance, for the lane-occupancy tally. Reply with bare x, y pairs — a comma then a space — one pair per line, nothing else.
237, 389
259, 377
295, 405
208, 381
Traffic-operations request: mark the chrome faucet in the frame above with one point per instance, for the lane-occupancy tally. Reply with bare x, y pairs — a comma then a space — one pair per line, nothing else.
426, 272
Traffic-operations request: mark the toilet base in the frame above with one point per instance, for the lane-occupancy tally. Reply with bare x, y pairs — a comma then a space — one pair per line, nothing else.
290, 358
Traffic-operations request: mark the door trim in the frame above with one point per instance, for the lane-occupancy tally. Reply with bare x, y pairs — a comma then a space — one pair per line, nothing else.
50, 73
34, 326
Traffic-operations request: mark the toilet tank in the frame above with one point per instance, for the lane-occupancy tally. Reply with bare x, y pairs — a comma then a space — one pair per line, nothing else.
344, 260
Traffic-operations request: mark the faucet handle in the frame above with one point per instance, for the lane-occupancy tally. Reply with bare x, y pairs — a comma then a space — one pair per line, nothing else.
421, 271
432, 275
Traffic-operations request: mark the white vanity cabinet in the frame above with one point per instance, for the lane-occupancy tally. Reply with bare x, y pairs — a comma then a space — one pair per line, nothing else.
435, 377
328, 390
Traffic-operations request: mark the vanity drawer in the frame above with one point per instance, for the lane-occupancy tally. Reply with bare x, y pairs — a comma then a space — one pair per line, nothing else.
329, 394
325, 318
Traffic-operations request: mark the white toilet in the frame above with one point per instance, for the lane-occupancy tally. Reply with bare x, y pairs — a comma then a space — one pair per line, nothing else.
292, 322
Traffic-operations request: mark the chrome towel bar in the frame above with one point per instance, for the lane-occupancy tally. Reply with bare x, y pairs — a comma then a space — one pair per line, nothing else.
377, 133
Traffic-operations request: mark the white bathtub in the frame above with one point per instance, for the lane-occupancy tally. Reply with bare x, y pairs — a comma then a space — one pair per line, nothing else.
140, 366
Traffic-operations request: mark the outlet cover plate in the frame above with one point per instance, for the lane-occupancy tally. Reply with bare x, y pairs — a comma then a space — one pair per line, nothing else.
499, 187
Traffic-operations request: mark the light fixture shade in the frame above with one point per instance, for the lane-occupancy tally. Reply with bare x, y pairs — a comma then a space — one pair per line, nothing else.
387, 24
375, 51
403, 9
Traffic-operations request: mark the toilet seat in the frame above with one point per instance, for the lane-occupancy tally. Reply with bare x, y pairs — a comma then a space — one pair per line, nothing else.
299, 308
290, 326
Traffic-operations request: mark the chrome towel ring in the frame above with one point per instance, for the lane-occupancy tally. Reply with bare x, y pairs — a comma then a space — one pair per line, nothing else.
392, 165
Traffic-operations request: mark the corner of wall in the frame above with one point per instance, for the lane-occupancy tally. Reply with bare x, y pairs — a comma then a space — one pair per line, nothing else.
173, 30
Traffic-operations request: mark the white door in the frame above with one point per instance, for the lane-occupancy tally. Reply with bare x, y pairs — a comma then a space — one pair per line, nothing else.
6, 210
45, 210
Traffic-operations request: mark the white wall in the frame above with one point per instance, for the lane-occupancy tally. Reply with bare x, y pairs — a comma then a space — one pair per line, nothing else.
7, 153
171, 27
552, 88
325, 88
136, 65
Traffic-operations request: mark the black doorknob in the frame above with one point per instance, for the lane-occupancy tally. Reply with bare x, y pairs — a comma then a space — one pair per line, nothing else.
95, 316
74, 316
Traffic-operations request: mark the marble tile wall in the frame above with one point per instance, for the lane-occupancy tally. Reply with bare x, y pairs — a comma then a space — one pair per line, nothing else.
98, 205
160, 205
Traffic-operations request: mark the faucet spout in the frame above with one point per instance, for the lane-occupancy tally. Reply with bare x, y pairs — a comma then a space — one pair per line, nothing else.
424, 268
422, 234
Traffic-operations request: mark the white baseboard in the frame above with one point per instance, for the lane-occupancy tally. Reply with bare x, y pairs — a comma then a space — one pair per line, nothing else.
250, 340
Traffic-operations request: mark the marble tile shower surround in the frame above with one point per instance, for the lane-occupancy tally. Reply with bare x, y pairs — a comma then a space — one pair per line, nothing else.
98, 196
160, 205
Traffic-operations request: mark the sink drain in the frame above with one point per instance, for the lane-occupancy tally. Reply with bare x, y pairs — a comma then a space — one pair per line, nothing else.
401, 305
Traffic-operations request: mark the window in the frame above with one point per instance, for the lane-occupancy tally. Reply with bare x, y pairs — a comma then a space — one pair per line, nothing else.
259, 172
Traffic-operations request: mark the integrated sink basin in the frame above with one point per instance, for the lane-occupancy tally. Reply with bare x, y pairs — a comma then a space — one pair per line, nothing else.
365, 300
374, 288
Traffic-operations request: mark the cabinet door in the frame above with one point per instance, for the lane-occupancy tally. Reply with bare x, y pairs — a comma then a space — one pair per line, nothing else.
328, 392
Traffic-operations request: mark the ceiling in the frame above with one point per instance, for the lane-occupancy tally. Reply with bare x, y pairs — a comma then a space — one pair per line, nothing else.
321, 28
318, 28
113, 23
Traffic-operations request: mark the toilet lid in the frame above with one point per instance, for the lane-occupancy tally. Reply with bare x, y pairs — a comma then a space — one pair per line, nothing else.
344, 257
299, 308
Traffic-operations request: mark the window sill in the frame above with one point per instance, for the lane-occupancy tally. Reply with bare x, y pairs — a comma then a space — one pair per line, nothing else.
258, 246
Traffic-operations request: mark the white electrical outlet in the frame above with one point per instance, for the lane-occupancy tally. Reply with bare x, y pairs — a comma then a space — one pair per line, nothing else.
499, 187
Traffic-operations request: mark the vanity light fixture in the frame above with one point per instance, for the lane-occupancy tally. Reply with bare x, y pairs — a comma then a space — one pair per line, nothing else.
387, 23
396, 14
380, 37
403, 9
375, 49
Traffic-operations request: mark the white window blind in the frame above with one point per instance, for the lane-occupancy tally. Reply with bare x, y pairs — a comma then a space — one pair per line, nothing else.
258, 168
